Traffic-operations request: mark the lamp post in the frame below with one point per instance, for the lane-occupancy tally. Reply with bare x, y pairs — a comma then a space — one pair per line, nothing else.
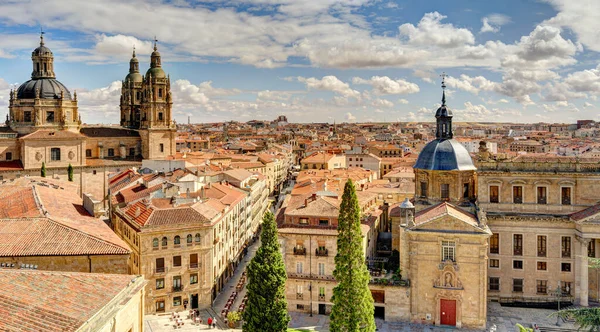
559, 294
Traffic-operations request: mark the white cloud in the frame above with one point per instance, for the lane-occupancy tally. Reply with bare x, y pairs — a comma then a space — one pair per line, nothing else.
349, 117
384, 103
101, 104
359, 52
403, 101
329, 83
582, 17
431, 31
543, 48
470, 84
493, 22
384, 85
121, 45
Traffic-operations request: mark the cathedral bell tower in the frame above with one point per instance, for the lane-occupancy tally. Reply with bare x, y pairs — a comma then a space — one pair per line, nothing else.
131, 95
146, 104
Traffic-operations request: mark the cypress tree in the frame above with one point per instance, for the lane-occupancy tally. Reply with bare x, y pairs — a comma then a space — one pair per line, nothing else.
43, 170
353, 308
266, 309
70, 172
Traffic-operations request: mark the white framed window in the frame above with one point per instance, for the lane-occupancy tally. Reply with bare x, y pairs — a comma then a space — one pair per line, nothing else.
299, 289
299, 267
321, 269
448, 251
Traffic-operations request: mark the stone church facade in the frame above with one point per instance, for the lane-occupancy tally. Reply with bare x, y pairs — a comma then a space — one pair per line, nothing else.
43, 126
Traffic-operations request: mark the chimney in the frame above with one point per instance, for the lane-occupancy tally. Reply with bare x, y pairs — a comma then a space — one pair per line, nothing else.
305, 202
138, 211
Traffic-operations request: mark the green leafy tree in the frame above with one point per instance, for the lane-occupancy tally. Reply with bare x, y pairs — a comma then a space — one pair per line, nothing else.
588, 319
353, 308
43, 170
266, 309
70, 172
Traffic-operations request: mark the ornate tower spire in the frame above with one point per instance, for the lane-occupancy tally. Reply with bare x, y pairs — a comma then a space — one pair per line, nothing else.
134, 65
443, 88
443, 116
155, 57
43, 61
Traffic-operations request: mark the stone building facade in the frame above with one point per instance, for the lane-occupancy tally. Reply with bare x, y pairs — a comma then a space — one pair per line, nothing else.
543, 213
187, 235
43, 125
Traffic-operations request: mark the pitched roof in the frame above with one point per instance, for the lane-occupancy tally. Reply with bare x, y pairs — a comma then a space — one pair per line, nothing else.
53, 134
42, 218
108, 132
54, 301
585, 213
425, 220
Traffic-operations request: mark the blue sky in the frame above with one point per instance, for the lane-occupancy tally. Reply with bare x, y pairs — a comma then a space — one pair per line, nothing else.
320, 60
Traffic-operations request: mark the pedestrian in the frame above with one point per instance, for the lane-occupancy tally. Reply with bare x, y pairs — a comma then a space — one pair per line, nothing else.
209, 321
184, 306
214, 322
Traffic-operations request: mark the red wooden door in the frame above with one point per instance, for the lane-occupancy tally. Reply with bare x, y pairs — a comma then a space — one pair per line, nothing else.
448, 312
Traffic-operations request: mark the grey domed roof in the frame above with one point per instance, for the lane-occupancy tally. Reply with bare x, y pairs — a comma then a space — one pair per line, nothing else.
49, 89
443, 111
444, 155
134, 77
156, 72
42, 50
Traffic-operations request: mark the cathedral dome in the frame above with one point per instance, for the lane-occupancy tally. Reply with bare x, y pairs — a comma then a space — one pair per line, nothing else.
443, 111
134, 77
156, 72
444, 155
41, 51
49, 88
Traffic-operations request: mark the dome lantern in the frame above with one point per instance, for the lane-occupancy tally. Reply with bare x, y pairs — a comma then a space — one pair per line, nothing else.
43, 61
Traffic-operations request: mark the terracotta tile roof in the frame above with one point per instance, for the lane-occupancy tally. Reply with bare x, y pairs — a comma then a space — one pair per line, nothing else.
108, 132
585, 213
13, 165
47, 237
127, 162
53, 134
41, 218
54, 301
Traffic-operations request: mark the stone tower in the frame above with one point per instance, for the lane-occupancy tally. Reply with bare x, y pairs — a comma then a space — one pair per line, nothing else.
146, 105
131, 95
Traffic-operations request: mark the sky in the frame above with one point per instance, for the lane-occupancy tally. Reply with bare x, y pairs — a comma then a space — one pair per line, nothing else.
319, 60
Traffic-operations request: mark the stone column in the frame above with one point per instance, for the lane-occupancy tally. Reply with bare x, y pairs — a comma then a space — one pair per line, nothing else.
583, 272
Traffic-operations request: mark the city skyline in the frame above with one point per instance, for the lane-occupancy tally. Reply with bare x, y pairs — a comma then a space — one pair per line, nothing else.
356, 61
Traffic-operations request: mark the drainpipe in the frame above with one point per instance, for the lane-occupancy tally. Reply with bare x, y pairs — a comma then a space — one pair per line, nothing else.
90, 263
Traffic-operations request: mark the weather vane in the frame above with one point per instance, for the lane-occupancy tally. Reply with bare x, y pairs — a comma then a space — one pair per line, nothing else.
443, 76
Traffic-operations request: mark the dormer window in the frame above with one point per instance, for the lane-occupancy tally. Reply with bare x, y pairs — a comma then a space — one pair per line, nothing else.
303, 221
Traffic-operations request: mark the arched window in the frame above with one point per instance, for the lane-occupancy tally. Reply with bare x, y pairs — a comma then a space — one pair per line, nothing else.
164, 241
177, 240
189, 238
155, 242
198, 237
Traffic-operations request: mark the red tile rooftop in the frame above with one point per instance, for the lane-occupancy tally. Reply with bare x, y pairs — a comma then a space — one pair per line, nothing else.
43, 218
54, 301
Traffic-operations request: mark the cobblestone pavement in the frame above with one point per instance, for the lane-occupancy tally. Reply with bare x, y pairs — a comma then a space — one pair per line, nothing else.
500, 319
